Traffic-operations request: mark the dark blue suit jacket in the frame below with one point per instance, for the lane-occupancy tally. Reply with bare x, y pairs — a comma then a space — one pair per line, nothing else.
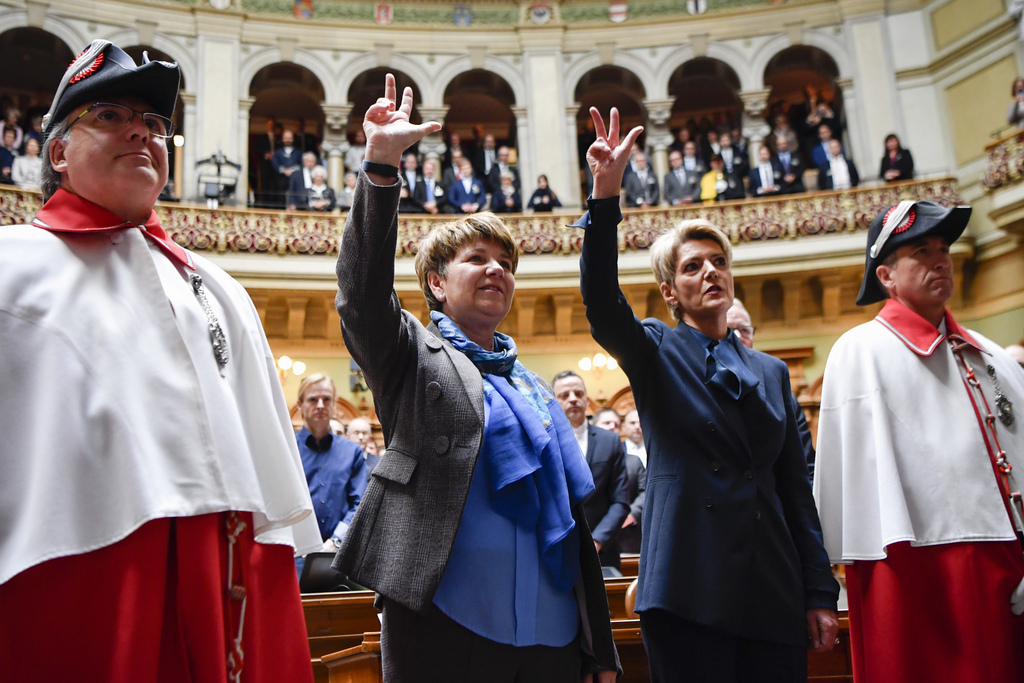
457, 195
731, 537
608, 504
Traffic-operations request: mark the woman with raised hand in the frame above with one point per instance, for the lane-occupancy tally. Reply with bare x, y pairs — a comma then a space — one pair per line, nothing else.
734, 582
471, 529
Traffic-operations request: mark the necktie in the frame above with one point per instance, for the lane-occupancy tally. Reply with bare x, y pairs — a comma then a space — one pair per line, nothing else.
784, 158
718, 373
766, 176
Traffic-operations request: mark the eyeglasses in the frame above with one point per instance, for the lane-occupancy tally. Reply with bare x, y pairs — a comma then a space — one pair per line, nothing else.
746, 331
116, 117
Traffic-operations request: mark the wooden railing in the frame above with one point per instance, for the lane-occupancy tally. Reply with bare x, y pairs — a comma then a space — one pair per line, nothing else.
753, 220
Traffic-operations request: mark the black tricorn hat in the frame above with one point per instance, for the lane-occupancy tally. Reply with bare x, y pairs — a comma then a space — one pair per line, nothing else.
902, 224
105, 70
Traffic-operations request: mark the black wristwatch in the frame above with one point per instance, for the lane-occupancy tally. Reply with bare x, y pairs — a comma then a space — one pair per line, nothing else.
386, 170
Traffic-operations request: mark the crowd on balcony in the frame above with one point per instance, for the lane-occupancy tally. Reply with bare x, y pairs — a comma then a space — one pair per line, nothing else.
19, 148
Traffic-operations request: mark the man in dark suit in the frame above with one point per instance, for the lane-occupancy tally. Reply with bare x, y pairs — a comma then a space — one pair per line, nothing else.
299, 183
681, 186
736, 161
642, 185
765, 178
838, 172
467, 193
485, 158
430, 194
286, 160
411, 180
606, 508
493, 182
792, 167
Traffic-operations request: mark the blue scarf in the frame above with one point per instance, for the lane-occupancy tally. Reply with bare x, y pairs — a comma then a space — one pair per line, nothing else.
535, 472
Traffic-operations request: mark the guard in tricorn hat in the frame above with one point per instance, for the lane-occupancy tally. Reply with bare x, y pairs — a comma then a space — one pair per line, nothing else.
917, 476
151, 493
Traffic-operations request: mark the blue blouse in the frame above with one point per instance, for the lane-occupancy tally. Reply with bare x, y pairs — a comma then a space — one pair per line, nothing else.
494, 583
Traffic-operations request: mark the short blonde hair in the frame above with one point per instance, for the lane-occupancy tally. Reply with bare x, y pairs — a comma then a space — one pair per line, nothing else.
315, 378
665, 250
439, 247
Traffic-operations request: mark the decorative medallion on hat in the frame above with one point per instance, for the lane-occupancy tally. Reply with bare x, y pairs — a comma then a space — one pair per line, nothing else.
907, 221
87, 71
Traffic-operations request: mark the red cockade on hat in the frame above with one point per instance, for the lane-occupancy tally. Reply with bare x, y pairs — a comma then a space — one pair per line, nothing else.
87, 71
907, 221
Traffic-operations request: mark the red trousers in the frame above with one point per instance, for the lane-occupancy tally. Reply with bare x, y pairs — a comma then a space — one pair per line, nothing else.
937, 613
153, 607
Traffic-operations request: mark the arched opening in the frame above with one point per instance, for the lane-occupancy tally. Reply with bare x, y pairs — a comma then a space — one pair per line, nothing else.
34, 61
287, 97
706, 104
480, 104
173, 190
804, 95
606, 87
364, 91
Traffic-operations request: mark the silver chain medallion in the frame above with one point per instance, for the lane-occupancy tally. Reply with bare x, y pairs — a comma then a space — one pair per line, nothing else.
217, 338
1004, 406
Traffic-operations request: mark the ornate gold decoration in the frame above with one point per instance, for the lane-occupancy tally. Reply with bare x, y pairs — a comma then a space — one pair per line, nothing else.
1005, 161
802, 216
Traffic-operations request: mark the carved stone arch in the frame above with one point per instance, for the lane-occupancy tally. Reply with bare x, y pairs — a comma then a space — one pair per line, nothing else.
651, 84
459, 66
672, 61
425, 90
66, 32
249, 66
322, 71
737, 62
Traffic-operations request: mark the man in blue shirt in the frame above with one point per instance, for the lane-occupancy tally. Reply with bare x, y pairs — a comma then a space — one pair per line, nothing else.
334, 466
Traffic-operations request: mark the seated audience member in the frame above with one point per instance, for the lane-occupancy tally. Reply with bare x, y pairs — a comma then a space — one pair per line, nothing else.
467, 193
150, 522
299, 183
28, 168
633, 436
720, 185
506, 198
680, 186
361, 431
430, 194
345, 195
897, 164
8, 154
500, 166
839, 171
320, 196
736, 162
607, 506
692, 161
411, 180
356, 151
10, 122
766, 177
543, 198
334, 465
792, 166
1015, 112
641, 185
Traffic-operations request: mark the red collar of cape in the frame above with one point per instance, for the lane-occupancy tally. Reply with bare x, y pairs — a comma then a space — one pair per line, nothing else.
67, 212
919, 335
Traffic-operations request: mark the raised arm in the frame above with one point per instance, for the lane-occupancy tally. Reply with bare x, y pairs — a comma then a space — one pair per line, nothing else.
612, 322
371, 318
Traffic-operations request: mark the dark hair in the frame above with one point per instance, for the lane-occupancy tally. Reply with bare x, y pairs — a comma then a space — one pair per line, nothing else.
1014, 88
598, 414
893, 136
564, 374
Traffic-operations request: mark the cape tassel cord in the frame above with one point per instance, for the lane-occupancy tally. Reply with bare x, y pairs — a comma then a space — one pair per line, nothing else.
1014, 501
236, 594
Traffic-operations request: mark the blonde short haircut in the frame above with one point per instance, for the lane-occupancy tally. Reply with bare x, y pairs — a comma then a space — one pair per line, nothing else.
665, 250
439, 247
315, 378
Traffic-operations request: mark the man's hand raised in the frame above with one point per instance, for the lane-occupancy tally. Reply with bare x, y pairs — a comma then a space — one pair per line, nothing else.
388, 130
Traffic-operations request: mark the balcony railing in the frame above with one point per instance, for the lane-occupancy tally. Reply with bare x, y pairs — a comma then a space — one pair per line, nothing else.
1005, 161
801, 216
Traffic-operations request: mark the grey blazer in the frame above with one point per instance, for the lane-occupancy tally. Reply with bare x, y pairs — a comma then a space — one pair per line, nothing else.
430, 402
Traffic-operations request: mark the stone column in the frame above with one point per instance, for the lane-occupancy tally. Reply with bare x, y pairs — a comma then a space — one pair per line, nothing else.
854, 139
571, 194
242, 188
659, 137
187, 191
754, 125
433, 146
527, 162
335, 143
